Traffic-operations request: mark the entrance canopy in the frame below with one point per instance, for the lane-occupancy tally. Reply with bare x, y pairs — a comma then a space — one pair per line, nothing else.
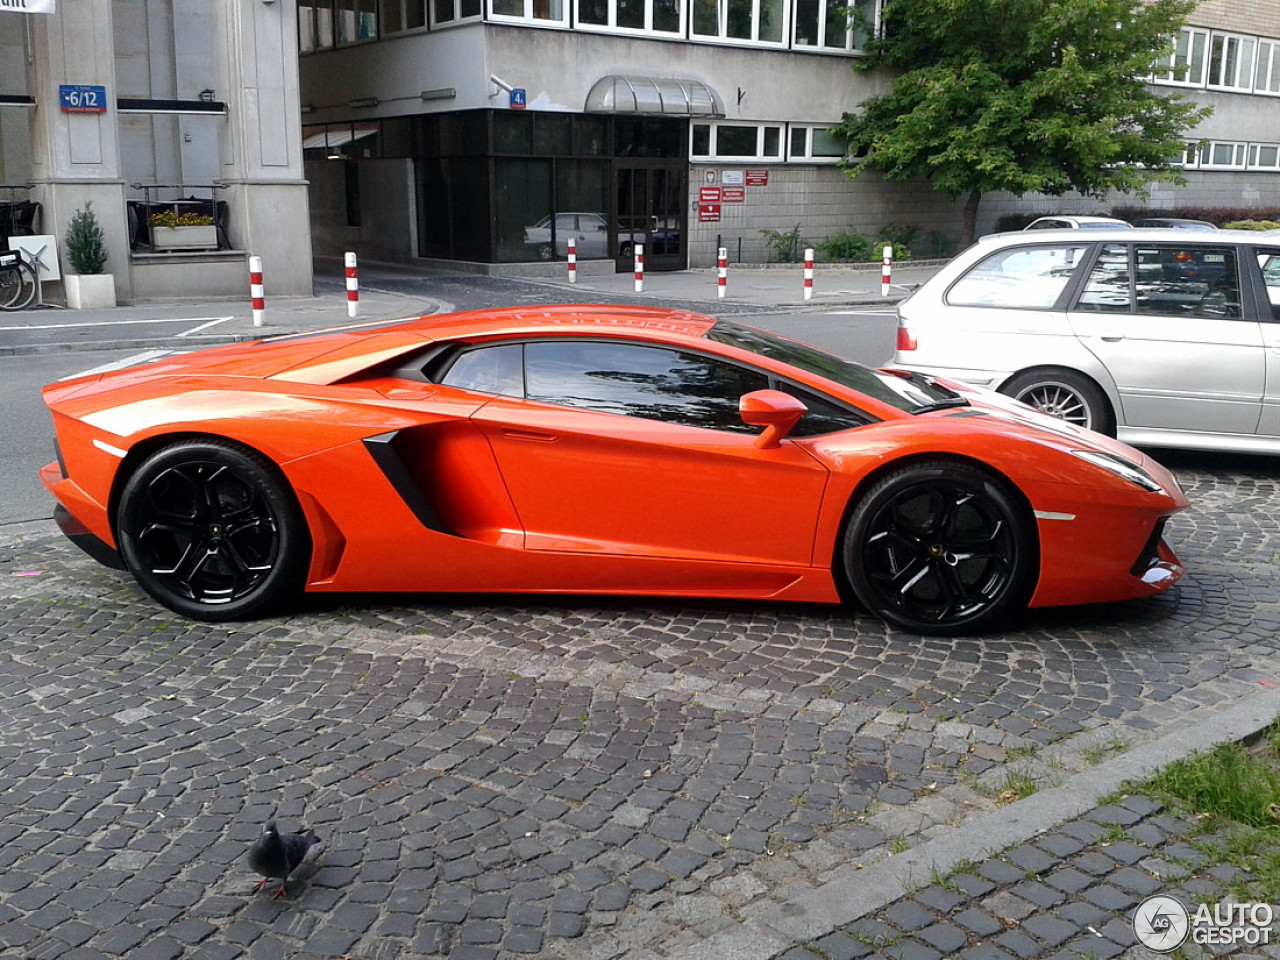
654, 95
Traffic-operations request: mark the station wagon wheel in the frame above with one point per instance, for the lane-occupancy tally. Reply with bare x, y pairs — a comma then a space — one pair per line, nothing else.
212, 531
940, 547
1064, 394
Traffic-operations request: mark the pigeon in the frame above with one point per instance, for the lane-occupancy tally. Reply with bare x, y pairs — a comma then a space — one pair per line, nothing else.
277, 855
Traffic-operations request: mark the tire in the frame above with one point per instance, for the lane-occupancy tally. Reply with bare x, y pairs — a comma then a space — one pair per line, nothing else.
1064, 394
627, 249
17, 287
546, 252
941, 548
212, 530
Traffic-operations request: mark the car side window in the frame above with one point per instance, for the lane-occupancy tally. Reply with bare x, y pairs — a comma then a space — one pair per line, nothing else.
823, 416
1164, 280
1107, 289
488, 369
1269, 264
1024, 278
640, 381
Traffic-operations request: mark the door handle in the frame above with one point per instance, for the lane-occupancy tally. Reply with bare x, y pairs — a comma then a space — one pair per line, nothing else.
528, 435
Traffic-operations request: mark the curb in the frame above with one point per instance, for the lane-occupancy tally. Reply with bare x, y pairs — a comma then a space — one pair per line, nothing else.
804, 914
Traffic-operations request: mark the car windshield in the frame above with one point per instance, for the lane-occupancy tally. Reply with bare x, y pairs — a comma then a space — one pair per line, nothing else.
910, 392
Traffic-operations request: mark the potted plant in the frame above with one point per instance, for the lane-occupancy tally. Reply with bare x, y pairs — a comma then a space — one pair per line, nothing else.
88, 286
171, 230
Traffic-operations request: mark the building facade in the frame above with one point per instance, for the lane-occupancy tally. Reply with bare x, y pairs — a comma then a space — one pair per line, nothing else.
146, 107
491, 131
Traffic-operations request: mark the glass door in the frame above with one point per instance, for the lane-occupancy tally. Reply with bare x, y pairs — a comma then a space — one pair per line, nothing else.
651, 200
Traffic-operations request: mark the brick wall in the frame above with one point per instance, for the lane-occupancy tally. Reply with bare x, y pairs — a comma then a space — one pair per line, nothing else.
1261, 17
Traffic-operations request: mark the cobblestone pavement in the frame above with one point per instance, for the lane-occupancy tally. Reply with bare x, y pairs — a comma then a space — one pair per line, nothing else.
576, 778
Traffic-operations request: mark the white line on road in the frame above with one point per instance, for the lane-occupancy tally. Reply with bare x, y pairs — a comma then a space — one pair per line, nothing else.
115, 323
204, 326
132, 361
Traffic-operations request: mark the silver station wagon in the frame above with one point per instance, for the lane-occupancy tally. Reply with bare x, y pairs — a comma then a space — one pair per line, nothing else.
1161, 338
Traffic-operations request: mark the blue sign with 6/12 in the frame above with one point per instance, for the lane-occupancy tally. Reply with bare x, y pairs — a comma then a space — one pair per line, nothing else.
82, 98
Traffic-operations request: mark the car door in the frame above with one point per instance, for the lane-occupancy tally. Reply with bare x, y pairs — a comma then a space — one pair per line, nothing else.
624, 448
1169, 324
1268, 260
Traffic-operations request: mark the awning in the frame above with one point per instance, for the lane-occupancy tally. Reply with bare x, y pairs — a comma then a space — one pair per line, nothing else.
654, 95
337, 136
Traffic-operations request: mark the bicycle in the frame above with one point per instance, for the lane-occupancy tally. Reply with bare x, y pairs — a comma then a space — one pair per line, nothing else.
18, 283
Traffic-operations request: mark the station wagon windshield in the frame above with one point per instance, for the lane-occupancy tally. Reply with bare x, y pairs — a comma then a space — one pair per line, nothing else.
914, 394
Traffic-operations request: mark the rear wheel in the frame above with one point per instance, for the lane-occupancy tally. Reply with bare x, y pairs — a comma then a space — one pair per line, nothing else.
940, 547
1064, 394
212, 531
17, 287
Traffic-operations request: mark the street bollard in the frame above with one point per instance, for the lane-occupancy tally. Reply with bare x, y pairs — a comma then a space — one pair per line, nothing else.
639, 267
886, 269
573, 259
353, 287
808, 273
722, 272
256, 291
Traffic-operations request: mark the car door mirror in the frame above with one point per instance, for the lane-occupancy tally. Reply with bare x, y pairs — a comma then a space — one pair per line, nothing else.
774, 410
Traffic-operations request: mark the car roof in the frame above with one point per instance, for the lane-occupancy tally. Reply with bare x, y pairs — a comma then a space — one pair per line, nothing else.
1154, 234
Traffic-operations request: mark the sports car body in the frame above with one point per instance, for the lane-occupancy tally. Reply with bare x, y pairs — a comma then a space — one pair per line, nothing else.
594, 449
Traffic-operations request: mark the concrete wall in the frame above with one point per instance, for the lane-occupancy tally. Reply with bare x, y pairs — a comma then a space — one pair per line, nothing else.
388, 214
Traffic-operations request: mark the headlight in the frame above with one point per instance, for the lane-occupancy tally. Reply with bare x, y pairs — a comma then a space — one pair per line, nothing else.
1121, 468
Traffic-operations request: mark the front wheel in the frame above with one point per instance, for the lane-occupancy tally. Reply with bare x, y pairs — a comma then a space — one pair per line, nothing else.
941, 548
18, 287
1064, 394
212, 530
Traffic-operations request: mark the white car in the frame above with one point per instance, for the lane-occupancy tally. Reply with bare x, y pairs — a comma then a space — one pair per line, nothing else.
590, 233
1164, 338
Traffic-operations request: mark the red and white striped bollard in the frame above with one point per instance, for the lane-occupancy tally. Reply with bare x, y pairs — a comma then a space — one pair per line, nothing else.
573, 259
886, 269
256, 291
722, 272
808, 273
639, 248
353, 287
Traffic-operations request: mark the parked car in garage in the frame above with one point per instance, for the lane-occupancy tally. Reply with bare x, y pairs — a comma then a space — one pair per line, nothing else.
590, 233
1158, 337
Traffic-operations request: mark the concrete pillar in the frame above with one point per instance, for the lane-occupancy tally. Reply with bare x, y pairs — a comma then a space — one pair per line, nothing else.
75, 156
262, 151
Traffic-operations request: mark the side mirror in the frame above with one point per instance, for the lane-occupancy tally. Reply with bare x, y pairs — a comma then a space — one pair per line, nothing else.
774, 410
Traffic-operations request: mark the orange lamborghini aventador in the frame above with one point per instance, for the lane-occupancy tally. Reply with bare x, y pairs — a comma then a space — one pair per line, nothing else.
595, 449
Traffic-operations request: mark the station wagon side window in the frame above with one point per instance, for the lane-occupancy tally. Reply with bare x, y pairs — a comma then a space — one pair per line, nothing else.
637, 380
1020, 278
1164, 280
1269, 264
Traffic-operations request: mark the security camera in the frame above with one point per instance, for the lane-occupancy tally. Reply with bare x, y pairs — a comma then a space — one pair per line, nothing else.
500, 83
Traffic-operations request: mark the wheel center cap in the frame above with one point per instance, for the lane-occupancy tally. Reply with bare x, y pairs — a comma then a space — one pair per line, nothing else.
215, 530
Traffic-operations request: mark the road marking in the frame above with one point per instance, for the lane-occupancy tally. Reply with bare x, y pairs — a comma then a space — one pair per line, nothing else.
116, 323
132, 361
204, 326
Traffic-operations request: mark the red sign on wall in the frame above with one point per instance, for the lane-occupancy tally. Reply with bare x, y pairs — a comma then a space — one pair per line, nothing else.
709, 194
757, 178
708, 212
734, 194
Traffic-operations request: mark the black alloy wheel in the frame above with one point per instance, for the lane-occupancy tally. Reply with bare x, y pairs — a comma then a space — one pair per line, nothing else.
941, 548
212, 530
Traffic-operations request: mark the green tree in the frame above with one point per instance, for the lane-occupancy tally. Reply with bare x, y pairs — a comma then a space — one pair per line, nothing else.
1026, 96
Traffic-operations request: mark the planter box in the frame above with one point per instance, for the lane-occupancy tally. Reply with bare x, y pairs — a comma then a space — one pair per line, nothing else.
184, 238
89, 291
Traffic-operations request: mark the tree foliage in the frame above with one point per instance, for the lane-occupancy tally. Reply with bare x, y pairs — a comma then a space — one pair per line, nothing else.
1025, 96
86, 243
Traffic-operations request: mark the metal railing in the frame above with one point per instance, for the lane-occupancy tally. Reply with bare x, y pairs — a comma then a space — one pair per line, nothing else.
186, 201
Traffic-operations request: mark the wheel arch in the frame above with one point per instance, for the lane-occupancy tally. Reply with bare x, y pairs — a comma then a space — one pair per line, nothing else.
1104, 383
874, 476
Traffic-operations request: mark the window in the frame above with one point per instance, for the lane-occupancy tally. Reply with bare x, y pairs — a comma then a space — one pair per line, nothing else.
1264, 156
1267, 76
397, 16
640, 381
823, 415
843, 25
1231, 62
452, 11
493, 369
354, 20
757, 21
734, 141
816, 143
649, 16
535, 11
1164, 280
1026, 278
1223, 155
1269, 264
1187, 62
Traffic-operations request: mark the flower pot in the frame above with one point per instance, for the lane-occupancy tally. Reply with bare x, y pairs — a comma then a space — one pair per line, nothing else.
184, 238
89, 291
